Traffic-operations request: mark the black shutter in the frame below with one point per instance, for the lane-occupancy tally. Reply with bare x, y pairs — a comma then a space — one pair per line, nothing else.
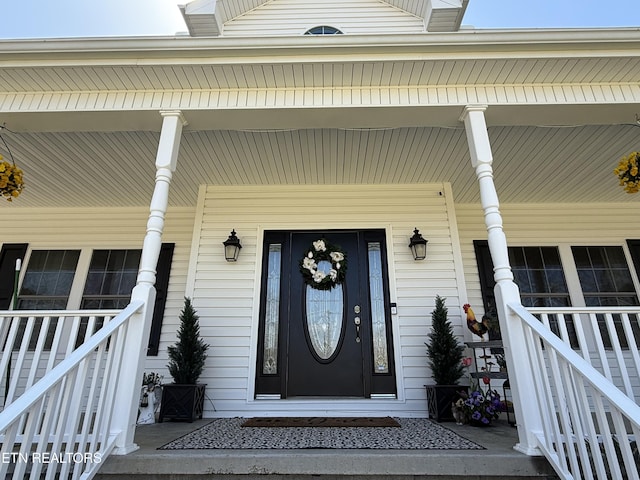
487, 282
485, 270
8, 255
162, 283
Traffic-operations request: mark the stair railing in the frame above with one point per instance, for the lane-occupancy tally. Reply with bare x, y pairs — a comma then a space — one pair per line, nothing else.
590, 427
62, 427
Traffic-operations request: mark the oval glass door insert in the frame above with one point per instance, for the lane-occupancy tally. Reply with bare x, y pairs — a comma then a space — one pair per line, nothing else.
324, 317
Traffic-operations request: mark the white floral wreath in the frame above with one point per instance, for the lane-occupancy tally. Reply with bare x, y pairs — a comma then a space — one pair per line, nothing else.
321, 250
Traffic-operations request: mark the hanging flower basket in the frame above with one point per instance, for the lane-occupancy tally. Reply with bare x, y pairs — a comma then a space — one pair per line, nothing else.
11, 183
627, 172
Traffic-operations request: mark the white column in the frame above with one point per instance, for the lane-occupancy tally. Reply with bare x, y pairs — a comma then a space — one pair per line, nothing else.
528, 417
135, 349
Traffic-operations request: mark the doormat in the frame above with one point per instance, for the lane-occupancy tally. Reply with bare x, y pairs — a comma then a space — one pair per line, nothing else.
413, 434
321, 422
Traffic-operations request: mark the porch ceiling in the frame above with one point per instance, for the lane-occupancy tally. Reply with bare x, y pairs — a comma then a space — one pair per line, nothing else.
532, 164
550, 145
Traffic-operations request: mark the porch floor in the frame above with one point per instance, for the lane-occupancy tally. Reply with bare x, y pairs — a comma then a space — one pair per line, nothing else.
497, 461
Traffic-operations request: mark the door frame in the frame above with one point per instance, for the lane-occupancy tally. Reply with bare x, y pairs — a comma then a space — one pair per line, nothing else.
273, 386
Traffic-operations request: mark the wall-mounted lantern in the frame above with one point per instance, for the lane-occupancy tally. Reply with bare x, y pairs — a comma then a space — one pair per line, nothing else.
232, 247
418, 246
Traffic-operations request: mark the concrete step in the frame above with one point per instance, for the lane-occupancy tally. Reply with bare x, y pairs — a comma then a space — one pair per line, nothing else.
498, 461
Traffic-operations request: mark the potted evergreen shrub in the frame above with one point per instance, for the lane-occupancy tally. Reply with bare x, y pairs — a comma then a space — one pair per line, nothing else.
184, 398
445, 355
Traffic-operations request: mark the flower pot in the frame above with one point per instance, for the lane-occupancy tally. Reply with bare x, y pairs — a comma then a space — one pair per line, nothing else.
181, 402
439, 400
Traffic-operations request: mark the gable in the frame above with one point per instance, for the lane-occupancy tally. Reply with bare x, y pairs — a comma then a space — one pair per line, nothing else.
206, 18
294, 17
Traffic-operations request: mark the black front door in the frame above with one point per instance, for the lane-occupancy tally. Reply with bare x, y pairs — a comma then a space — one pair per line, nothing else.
325, 341
325, 317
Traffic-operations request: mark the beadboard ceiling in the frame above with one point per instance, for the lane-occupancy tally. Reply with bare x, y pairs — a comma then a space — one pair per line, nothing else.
531, 164
552, 149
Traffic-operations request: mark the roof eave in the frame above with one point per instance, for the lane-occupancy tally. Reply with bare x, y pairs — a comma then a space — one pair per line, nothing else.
521, 43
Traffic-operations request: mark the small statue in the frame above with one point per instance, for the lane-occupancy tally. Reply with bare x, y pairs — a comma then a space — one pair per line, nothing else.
458, 411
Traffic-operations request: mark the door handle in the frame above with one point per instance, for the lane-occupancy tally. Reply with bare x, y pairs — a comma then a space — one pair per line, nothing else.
356, 321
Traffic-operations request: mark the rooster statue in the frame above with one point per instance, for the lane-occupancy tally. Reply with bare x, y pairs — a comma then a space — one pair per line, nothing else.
476, 327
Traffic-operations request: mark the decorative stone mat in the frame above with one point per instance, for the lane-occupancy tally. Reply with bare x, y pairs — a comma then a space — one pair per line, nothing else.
413, 434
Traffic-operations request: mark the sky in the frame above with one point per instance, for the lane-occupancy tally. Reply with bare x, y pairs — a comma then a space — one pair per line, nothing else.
97, 18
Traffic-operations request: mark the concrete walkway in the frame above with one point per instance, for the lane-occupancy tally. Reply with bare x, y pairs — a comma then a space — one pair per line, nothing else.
497, 461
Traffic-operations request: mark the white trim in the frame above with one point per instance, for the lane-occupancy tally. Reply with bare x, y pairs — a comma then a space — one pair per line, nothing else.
195, 242
396, 319
458, 263
579, 41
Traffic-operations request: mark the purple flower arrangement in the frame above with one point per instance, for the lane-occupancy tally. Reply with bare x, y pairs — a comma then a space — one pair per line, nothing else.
480, 407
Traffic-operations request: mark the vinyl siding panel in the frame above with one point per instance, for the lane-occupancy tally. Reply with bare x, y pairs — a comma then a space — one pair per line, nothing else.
294, 17
227, 294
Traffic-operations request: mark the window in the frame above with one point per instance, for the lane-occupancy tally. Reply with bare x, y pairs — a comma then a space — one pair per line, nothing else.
604, 276
323, 30
606, 280
46, 286
538, 273
111, 277
48, 280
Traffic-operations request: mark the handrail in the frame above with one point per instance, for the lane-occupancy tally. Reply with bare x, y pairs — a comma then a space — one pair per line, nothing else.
588, 426
58, 313
70, 410
591, 375
16, 409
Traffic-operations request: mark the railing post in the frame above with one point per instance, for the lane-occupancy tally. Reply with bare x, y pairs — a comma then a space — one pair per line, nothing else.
125, 408
527, 409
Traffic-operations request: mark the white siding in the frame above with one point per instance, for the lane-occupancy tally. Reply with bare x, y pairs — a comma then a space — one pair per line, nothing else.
294, 17
226, 294
109, 228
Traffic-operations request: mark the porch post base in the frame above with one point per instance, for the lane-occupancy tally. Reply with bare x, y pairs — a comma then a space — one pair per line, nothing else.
527, 450
125, 450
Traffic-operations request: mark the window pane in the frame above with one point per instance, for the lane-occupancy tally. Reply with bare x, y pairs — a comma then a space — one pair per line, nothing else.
581, 257
378, 316
616, 257
272, 311
534, 258
551, 257
556, 282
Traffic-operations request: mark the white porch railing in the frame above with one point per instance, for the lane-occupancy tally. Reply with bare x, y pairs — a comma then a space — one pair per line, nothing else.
590, 427
33, 342
61, 427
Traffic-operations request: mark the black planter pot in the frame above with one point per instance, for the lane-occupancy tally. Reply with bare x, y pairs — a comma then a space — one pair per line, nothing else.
439, 400
181, 402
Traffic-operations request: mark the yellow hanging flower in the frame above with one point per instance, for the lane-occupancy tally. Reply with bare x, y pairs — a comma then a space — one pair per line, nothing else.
627, 172
11, 182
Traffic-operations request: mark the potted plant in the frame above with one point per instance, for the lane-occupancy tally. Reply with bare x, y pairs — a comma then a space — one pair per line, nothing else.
445, 356
184, 399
